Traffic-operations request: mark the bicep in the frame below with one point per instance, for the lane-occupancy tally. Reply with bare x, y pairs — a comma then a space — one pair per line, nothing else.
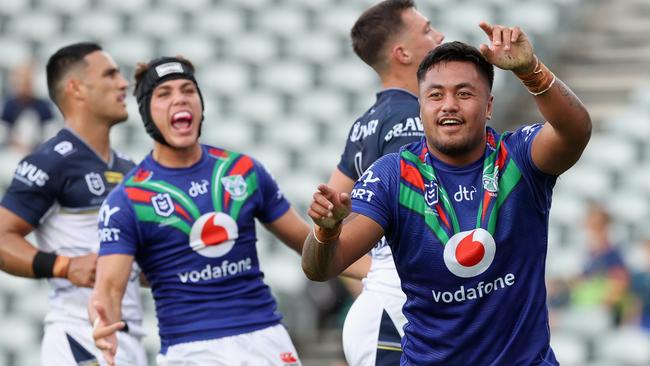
10, 223
554, 153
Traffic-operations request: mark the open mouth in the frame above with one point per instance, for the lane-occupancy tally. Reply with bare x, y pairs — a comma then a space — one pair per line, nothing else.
182, 121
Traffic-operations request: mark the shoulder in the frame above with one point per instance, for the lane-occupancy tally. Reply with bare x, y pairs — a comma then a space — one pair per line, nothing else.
524, 134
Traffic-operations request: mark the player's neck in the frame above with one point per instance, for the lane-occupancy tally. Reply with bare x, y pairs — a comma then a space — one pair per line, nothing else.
95, 134
172, 157
403, 78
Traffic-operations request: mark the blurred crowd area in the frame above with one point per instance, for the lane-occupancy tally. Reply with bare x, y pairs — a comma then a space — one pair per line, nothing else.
281, 83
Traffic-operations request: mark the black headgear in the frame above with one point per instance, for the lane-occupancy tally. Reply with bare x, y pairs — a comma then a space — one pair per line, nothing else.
159, 71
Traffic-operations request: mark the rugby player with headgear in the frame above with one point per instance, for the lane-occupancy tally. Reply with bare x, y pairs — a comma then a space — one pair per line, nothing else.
56, 192
187, 214
472, 270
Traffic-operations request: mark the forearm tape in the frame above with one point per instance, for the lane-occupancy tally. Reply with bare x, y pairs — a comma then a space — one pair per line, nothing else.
540, 80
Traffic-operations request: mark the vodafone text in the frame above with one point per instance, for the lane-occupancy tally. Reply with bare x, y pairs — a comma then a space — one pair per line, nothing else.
209, 272
470, 293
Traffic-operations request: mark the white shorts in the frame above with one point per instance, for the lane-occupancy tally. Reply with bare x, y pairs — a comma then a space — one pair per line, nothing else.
265, 347
71, 344
373, 330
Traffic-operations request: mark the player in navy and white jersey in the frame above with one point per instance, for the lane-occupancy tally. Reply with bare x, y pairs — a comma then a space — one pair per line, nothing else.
471, 265
57, 191
187, 216
392, 37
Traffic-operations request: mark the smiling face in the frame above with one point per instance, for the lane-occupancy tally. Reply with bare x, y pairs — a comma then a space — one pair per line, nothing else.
176, 111
455, 104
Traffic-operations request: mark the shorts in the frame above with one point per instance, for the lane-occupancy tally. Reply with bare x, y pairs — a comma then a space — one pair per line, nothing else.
70, 344
265, 347
372, 331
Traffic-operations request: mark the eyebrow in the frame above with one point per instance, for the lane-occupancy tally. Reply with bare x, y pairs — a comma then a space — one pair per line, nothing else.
457, 86
111, 71
183, 86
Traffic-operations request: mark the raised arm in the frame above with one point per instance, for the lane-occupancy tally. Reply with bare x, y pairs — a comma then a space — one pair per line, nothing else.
105, 307
20, 258
564, 136
332, 247
342, 183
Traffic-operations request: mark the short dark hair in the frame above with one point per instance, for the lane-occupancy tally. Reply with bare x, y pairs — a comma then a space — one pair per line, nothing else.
375, 26
457, 51
63, 60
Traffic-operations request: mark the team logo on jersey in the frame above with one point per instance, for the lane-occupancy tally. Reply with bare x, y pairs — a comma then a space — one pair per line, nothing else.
95, 183
288, 359
491, 182
142, 175
469, 253
431, 194
213, 234
163, 204
235, 185
64, 148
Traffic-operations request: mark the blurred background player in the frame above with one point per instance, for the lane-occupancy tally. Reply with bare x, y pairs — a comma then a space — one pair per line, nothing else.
187, 215
392, 37
473, 270
56, 192
25, 111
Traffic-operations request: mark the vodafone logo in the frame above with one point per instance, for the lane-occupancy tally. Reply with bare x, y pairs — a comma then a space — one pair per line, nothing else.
469, 253
213, 234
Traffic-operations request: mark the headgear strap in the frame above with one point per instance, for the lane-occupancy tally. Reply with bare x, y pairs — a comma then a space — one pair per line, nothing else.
160, 70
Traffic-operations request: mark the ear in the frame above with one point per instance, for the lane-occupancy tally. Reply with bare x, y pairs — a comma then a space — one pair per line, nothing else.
488, 112
73, 89
401, 54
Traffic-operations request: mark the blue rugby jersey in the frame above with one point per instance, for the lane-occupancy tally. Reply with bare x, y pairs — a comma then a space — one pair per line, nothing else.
59, 189
393, 121
192, 231
471, 259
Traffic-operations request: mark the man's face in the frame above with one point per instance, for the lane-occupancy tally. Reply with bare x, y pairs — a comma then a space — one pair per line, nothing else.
104, 87
455, 103
418, 36
177, 112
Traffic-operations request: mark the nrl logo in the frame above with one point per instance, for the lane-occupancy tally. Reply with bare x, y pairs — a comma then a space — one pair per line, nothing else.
431, 194
163, 204
235, 185
95, 183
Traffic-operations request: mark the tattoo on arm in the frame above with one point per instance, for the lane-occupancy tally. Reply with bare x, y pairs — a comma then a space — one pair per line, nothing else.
569, 95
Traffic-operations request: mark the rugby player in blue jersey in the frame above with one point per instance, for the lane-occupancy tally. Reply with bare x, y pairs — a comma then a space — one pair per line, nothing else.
392, 37
56, 192
472, 269
187, 214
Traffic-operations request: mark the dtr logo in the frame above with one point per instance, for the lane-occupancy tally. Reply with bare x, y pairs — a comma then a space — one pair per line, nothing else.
213, 234
469, 253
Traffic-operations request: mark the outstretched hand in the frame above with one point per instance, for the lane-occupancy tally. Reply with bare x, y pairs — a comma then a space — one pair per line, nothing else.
329, 207
104, 333
509, 49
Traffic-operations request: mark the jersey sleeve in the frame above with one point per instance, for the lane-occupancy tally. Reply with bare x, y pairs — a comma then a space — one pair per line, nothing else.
117, 226
273, 203
374, 194
351, 156
520, 145
34, 188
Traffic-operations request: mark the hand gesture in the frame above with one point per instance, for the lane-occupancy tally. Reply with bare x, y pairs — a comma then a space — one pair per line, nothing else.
329, 207
82, 270
104, 334
510, 48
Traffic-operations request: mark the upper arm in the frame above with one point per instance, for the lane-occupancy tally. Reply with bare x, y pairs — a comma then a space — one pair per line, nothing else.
340, 182
10, 223
291, 229
553, 153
